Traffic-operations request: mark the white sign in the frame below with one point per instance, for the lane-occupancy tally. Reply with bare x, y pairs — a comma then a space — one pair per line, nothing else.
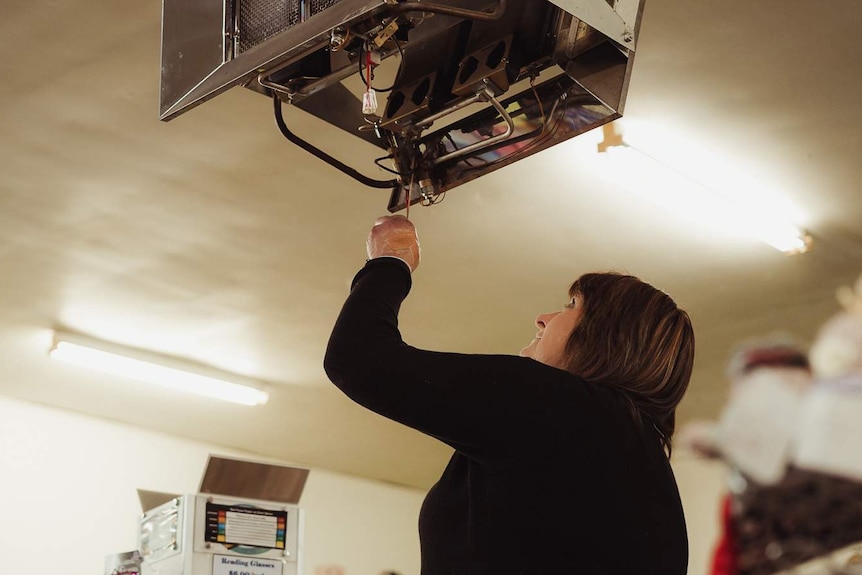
831, 428
235, 565
248, 529
757, 426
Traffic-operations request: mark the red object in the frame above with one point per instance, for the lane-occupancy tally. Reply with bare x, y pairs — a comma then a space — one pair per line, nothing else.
725, 559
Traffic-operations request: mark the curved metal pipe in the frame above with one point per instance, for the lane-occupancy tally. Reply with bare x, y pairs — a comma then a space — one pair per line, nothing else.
427, 121
433, 8
263, 80
510, 129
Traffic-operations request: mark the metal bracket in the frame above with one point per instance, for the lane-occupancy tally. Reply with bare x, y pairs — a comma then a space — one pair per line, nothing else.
617, 23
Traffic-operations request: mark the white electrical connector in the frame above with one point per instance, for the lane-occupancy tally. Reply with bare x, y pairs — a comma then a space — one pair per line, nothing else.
369, 102
369, 98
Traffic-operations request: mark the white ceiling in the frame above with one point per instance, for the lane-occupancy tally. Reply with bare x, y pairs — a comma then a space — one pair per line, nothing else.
211, 238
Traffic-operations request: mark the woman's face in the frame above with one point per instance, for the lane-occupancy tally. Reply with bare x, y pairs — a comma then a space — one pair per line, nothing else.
549, 345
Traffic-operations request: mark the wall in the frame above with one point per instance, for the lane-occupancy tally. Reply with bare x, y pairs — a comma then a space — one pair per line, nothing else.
68, 497
701, 486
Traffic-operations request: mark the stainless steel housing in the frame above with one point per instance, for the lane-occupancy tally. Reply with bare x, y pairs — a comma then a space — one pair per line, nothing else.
481, 83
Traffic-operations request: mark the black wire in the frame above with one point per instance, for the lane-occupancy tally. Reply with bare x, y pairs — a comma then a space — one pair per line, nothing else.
279, 119
475, 154
362, 69
448, 136
390, 170
455, 147
540, 140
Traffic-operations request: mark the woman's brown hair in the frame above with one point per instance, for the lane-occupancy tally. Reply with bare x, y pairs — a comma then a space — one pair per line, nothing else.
633, 338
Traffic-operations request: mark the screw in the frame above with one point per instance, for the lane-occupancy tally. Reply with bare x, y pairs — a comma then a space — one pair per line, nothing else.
628, 36
337, 38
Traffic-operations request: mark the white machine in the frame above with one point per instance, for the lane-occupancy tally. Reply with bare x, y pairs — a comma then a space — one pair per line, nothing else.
244, 521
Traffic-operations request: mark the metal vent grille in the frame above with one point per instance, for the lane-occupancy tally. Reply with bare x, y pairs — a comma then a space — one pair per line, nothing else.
259, 20
321, 5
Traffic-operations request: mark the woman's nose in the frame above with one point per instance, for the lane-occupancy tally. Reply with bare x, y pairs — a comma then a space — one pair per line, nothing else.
543, 319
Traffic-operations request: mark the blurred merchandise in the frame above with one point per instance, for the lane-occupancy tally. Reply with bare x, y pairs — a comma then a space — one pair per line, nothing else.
791, 438
128, 563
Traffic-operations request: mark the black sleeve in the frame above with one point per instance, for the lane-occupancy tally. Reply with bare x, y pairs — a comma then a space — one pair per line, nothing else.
482, 405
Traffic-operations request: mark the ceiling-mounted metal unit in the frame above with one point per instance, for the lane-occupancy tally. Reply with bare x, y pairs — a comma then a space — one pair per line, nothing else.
480, 83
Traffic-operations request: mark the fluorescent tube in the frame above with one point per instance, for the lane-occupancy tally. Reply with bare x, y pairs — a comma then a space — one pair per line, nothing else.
693, 200
139, 365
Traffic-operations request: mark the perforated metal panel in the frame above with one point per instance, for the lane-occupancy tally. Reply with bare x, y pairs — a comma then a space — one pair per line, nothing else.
321, 5
209, 46
259, 20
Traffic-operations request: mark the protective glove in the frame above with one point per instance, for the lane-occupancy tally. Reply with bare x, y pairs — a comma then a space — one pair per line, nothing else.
394, 236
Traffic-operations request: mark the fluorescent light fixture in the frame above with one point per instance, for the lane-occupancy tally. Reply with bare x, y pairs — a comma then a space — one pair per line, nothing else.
692, 199
168, 372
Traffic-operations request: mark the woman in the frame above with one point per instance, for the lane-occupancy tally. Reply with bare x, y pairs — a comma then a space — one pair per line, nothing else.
561, 455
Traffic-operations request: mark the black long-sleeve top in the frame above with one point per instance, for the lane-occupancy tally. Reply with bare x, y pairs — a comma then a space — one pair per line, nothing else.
550, 474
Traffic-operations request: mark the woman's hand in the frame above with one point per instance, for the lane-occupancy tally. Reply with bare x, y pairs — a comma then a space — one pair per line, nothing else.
394, 236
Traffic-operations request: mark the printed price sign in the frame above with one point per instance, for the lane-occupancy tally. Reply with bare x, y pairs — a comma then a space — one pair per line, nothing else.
249, 526
232, 565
